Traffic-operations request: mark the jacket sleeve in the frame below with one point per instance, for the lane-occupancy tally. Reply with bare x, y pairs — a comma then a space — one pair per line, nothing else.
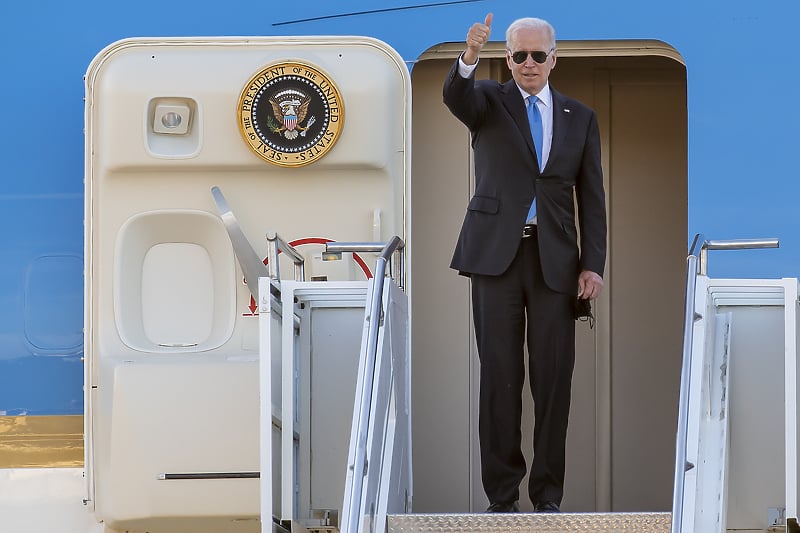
592, 203
462, 98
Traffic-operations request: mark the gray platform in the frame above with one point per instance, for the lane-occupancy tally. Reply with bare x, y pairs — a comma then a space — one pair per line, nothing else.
531, 523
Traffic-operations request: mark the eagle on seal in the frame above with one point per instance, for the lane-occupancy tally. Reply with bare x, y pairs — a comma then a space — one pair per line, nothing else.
290, 108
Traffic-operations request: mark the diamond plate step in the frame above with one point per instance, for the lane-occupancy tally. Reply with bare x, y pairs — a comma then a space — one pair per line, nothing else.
531, 523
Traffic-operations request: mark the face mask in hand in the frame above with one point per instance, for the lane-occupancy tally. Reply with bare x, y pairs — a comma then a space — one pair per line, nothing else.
582, 310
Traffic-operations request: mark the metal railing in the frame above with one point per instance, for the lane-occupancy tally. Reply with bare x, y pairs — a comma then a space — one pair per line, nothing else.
351, 512
736, 244
374, 247
275, 245
696, 265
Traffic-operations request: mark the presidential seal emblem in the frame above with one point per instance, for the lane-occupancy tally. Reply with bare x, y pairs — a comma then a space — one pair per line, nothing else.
290, 114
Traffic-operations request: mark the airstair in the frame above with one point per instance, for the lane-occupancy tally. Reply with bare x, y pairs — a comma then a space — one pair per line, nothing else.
302, 325
733, 329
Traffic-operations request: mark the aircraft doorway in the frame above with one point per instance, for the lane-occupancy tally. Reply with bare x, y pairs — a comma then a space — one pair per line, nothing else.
621, 442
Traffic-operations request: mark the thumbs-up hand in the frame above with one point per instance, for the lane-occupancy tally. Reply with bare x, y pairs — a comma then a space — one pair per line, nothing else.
477, 37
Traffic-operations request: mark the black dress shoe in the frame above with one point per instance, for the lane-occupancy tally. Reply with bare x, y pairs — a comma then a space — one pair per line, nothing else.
547, 507
504, 507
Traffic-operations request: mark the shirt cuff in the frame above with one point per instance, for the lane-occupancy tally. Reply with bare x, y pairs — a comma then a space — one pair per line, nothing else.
464, 70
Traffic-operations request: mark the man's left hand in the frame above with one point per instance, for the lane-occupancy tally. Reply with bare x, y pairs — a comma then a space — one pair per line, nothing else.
589, 285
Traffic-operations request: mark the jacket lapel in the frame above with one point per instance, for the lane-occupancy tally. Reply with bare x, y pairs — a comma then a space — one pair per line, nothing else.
515, 105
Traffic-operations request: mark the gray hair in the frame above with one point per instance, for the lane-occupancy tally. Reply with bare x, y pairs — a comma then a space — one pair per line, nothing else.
530, 23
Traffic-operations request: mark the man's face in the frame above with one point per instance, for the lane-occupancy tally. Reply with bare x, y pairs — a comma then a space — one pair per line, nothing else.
529, 74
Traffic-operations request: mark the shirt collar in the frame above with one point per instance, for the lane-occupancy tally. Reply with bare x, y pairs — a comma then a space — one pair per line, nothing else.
545, 95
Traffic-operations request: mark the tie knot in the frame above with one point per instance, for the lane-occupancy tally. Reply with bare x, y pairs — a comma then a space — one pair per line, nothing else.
532, 100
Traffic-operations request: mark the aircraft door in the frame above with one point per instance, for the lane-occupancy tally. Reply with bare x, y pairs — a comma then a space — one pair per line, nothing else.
305, 136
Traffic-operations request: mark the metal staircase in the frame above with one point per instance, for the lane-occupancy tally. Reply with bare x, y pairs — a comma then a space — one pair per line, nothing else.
377, 493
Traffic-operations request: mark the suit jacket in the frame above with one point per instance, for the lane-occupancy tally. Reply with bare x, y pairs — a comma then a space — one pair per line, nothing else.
507, 178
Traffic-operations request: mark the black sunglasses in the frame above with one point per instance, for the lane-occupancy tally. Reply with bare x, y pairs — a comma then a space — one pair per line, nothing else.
539, 56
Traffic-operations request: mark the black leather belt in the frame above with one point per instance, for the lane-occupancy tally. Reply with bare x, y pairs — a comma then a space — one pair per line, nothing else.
528, 231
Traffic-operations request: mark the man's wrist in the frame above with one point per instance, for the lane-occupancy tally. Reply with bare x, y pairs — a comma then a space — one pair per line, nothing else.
465, 70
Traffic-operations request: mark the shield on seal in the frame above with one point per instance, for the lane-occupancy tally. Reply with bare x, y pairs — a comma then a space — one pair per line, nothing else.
290, 121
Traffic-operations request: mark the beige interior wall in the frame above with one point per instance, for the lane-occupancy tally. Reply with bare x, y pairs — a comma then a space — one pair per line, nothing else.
441, 324
621, 440
648, 212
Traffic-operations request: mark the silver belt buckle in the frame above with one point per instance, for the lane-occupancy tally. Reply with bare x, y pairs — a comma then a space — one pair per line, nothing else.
528, 230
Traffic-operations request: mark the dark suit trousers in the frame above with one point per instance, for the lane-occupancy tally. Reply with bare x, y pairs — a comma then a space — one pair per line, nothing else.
501, 306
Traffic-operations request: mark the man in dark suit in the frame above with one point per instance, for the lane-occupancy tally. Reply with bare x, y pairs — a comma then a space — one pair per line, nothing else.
537, 156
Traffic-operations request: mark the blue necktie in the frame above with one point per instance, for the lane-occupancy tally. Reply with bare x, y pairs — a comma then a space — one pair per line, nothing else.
535, 120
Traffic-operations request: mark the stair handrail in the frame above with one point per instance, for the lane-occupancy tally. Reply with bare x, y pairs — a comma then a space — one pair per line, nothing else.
696, 265
350, 512
275, 245
734, 244
681, 466
374, 247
